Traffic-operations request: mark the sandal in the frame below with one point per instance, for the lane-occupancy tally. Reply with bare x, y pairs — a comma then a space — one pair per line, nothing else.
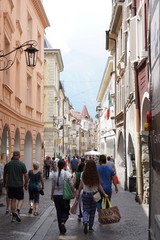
36, 213
30, 211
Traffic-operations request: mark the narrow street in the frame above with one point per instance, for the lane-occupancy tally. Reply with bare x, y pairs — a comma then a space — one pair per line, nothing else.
133, 224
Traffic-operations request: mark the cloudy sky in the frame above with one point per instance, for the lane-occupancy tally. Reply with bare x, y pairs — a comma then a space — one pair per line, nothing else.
78, 30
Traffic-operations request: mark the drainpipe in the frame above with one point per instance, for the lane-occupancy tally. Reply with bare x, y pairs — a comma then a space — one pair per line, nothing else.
124, 148
149, 141
139, 196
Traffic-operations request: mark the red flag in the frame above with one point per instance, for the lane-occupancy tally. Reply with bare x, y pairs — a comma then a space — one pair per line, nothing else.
108, 113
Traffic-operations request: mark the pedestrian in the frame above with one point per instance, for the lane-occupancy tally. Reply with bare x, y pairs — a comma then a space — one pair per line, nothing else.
36, 183
1, 174
76, 183
8, 201
69, 158
90, 183
112, 159
110, 162
15, 179
62, 205
74, 164
66, 161
53, 165
47, 166
106, 174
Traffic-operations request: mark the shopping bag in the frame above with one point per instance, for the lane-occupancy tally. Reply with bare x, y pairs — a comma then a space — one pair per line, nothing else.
108, 215
67, 190
96, 196
73, 209
116, 179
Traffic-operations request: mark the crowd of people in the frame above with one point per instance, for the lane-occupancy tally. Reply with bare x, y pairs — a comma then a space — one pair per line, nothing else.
85, 176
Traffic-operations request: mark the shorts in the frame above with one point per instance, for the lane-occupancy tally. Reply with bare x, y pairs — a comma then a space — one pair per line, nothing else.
16, 193
34, 195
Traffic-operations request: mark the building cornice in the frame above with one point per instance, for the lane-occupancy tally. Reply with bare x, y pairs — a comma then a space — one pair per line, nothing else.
41, 12
105, 79
57, 52
17, 116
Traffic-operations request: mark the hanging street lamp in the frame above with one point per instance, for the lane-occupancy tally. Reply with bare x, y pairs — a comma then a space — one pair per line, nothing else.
31, 54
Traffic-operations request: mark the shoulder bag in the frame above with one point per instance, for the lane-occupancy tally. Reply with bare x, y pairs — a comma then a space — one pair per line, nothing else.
108, 215
96, 196
67, 189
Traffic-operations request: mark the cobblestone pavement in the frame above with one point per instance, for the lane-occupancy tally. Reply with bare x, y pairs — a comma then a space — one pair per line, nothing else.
133, 224
14, 230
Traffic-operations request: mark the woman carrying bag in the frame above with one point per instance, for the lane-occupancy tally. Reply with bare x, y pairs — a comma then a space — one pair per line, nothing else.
62, 205
90, 184
76, 183
36, 184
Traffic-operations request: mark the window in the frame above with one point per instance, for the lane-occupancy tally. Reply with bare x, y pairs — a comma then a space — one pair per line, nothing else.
29, 91
17, 84
39, 44
38, 97
6, 50
29, 27
18, 8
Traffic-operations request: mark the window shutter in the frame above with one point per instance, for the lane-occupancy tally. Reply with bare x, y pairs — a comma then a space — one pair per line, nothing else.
133, 40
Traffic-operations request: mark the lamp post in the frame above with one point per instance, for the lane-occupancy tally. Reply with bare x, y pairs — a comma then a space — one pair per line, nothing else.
30, 53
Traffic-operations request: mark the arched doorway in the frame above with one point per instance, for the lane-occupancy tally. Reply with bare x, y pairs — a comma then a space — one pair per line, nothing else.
131, 166
145, 159
120, 164
5, 145
28, 151
17, 141
38, 148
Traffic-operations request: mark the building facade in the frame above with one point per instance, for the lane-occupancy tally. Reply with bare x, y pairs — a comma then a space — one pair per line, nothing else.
21, 87
106, 111
154, 147
53, 108
130, 57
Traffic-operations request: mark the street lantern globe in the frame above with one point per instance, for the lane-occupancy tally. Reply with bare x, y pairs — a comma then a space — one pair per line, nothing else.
31, 54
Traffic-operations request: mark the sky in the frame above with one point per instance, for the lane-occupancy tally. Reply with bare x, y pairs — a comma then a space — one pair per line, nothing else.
77, 28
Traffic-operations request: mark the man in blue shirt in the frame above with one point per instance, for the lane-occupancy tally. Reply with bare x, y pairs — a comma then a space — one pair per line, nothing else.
106, 175
74, 164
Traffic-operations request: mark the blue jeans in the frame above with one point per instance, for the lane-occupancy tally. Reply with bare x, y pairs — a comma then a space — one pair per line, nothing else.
89, 208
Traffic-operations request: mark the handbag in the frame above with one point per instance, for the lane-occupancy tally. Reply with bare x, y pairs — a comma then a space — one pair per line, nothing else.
67, 190
108, 215
41, 192
116, 179
96, 196
74, 207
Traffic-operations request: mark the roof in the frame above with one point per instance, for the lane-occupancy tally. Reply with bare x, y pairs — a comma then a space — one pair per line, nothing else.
85, 113
76, 115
